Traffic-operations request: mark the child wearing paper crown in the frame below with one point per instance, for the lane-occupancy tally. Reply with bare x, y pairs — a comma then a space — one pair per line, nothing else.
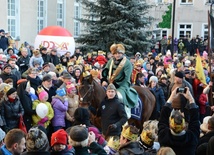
43, 97
60, 106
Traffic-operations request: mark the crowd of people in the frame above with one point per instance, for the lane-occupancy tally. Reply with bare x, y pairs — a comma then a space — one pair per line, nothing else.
42, 87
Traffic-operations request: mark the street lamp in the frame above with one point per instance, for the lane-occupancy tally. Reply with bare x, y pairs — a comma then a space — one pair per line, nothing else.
173, 27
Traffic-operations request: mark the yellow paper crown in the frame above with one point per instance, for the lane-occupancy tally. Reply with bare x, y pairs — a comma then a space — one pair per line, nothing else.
69, 63
39, 90
179, 65
88, 67
114, 143
177, 128
163, 76
11, 41
6, 88
150, 53
128, 134
85, 74
94, 72
147, 137
89, 54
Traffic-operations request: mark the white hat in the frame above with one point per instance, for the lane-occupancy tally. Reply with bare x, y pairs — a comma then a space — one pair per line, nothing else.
204, 125
153, 78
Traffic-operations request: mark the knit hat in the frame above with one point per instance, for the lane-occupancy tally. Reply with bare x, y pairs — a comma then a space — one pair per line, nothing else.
179, 75
47, 77
78, 133
36, 140
82, 116
111, 86
2, 134
11, 91
153, 78
6, 65
59, 137
98, 136
41, 93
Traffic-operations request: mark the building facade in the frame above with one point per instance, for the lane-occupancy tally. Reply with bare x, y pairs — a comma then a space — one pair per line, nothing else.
23, 19
191, 17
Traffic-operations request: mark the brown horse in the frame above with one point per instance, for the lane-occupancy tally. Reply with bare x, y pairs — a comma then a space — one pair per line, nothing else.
92, 93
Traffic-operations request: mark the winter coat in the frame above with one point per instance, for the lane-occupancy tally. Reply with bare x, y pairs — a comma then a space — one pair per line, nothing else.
205, 138
112, 112
94, 148
51, 92
164, 88
101, 59
34, 83
36, 60
123, 80
4, 43
46, 58
17, 73
202, 103
184, 144
6, 76
36, 153
11, 113
60, 107
54, 59
23, 63
27, 103
69, 150
130, 148
50, 114
160, 98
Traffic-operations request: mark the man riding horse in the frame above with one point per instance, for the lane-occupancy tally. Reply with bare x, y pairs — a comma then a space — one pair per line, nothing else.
118, 70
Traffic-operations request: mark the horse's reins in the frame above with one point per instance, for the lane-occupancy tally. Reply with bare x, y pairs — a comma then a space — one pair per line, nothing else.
82, 97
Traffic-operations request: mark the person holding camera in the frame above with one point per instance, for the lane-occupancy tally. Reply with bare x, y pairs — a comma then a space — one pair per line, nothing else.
172, 129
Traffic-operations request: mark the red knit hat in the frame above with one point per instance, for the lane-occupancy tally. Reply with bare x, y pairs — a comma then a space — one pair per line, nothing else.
59, 137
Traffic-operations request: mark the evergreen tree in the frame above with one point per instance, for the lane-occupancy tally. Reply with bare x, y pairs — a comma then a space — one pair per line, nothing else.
116, 21
166, 22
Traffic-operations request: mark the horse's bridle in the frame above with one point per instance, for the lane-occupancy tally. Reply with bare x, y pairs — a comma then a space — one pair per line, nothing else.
91, 89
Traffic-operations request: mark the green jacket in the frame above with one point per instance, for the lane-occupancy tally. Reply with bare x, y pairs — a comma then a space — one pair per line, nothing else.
123, 82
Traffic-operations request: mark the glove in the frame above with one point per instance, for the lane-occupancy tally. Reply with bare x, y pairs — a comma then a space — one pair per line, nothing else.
112, 126
45, 119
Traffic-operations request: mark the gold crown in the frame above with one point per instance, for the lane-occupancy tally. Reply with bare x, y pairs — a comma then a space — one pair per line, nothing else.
128, 134
10, 47
160, 54
191, 68
147, 137
114, 143
94, 72
150, 53
177, 128
137, 64
86, 73
39, 90
11, 41
157, 58
89, 54
70, 64
163, 76
100, 52
88, 67
179, 65
6, 88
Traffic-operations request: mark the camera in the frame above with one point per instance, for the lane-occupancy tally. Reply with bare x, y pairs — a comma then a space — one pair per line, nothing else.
181, 90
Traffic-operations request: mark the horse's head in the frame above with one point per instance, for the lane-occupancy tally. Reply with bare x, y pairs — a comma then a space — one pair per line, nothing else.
86, 89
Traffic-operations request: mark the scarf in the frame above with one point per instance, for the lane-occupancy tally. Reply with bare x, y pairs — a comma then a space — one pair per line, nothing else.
5, 150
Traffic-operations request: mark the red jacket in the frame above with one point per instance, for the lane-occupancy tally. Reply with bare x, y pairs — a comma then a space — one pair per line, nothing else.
101, 59
202, 103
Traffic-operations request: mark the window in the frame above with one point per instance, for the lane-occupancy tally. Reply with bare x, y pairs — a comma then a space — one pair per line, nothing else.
60, 13
76, 23
164, 33
41, 16
186, 1
204, 30
13, 18
185, 30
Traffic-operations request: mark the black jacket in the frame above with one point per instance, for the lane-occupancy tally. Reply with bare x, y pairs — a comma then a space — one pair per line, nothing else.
4, 43
183, 144
46, 58
23, 63
54, 59
6, 76
27, 104
131, 148
51, 92
112, 112
34, 83
205, 138
36, 153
